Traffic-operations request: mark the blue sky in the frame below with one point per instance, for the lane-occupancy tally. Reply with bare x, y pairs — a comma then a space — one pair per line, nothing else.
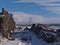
46, 8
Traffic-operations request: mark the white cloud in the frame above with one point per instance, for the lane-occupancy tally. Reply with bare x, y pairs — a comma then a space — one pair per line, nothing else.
55, 10
40, 2
49, 6
24, 18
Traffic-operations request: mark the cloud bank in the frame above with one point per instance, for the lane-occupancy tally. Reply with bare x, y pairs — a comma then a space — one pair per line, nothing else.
24, 18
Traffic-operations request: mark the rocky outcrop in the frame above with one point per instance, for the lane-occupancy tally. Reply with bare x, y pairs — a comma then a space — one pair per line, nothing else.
7, 24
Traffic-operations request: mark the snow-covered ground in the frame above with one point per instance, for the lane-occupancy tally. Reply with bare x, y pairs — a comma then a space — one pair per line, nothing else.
31, 39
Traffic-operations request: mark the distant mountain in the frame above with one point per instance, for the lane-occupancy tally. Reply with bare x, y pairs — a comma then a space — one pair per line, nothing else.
22, 18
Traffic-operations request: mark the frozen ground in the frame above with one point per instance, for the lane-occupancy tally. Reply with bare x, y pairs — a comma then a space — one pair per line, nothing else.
26, 34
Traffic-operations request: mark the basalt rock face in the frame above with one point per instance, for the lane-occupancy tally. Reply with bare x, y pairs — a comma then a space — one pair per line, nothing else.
7, 23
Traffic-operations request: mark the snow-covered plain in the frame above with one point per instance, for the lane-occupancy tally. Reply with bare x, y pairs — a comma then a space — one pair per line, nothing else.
26, 34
